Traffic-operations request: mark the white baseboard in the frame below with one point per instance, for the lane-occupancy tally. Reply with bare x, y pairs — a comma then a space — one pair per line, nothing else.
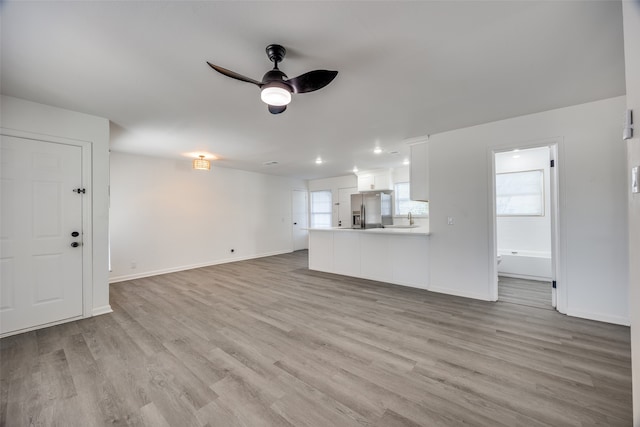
35, 328
525, 277
105, 309
616, 320
458, 293
126, 277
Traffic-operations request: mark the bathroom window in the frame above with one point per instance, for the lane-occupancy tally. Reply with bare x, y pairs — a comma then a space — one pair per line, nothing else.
404, 205
321, 208
520, 193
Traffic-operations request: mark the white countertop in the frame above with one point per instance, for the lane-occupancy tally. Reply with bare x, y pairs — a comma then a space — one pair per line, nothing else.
417, 231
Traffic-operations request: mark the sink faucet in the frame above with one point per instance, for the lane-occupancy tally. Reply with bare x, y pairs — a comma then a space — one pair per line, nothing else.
410, 218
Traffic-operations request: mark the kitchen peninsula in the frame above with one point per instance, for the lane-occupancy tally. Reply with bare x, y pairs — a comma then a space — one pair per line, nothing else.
393, 255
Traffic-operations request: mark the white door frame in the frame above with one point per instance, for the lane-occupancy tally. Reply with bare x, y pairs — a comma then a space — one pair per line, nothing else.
87, 223
557, 239
306, 214
347, 220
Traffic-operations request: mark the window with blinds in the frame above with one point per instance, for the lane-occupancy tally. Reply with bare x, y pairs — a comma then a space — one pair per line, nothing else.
320, 214
404, 205
520, 193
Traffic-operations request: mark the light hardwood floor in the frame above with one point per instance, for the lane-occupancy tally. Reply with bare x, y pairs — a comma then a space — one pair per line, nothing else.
525, 292
267, 342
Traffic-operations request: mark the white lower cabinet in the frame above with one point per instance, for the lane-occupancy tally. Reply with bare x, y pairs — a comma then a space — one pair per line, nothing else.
410, 261
376, 260
346, 253
321, 246
402, 259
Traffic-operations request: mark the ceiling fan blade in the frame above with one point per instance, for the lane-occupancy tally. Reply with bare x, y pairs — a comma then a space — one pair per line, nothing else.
313, 80
275, 109
234, 75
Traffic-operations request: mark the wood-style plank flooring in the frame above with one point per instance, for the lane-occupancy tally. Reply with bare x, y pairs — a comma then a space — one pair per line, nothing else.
525, 292
267, 342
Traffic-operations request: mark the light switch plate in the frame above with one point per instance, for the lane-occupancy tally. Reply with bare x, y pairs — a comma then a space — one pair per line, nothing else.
635, 179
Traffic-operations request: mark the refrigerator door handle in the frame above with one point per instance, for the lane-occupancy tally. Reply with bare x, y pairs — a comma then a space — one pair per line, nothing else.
363, 216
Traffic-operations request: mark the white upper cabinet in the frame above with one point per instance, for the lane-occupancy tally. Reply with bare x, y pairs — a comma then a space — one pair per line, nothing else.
419, 172
375, 181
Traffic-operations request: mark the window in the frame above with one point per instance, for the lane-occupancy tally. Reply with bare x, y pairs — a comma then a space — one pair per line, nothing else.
520, 193
404, 204
321, 208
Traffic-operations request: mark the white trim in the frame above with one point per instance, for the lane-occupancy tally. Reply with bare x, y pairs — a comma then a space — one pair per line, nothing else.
126, 277
306, 208
102, 310
86, 148
617, 320
36, 327
87, 230
458, 293
558, 242
526, 277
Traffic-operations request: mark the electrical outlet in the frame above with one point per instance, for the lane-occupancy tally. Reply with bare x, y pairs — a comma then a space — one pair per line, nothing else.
450, 220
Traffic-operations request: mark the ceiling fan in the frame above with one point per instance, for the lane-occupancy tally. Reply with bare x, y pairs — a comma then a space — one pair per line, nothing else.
276, 86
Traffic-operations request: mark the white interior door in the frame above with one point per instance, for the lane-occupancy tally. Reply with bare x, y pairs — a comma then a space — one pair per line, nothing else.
41, 278
344, 206
300, 216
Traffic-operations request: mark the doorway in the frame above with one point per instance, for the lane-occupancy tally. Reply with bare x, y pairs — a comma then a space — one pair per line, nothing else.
42, 233
524, 193
300, 219
344, 206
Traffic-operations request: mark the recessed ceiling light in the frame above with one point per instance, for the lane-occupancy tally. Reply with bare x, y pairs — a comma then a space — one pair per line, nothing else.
318, 161
405, 162
355, 169
377, 150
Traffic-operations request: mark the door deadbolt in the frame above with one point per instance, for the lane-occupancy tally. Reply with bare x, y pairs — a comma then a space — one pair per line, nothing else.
75, 234
75, 244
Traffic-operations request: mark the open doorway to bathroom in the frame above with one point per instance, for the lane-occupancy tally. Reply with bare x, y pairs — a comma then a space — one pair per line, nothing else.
525, 209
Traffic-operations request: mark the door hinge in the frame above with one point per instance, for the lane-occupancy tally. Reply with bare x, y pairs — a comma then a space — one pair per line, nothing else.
553, 163
79, 190
553, 284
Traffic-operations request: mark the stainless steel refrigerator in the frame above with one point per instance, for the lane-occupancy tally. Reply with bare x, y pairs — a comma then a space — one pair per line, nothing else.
371, 210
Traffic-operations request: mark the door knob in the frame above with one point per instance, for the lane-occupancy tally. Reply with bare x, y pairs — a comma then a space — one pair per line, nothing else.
295, 223
75, 244
75, 234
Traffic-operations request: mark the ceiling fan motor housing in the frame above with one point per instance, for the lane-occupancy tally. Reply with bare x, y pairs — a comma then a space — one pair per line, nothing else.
276, 53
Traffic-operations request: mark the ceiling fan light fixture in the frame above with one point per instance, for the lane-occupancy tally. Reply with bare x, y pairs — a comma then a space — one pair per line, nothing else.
276, 94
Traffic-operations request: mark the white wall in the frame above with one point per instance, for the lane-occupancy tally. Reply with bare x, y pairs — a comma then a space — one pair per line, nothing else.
631, 21
526, 233
593, 220
166, 216
33, 118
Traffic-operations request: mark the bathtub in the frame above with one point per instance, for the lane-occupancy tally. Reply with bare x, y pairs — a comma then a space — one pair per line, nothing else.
525, 264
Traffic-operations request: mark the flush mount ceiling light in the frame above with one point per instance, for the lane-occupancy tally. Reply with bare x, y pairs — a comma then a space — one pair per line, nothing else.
355, 169
405, 162
201, 164
377, 150
319, 161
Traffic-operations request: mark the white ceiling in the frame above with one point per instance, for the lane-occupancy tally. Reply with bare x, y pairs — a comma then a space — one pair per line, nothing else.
406, 69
